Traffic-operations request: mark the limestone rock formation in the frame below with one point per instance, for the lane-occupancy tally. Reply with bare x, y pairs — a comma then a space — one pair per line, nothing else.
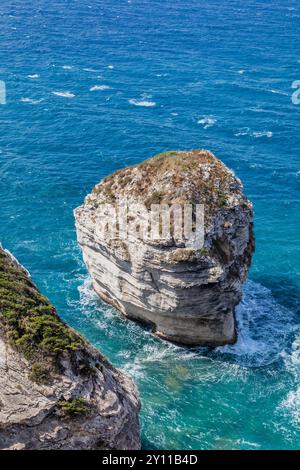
186, 293
56, 391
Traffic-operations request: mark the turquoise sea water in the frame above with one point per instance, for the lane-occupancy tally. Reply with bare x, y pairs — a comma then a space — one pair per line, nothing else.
93, 86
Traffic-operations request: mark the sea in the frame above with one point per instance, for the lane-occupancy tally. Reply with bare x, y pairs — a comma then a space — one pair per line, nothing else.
95, 85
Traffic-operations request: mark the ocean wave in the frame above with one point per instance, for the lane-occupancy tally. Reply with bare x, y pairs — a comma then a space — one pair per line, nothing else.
243, 131
279, 92
64, 94
67, 67
88, 296
146, 104
33, 76
258, 109
207, 121
99, 87
110, 67
31, 100
256, 134
291, 404
91, 70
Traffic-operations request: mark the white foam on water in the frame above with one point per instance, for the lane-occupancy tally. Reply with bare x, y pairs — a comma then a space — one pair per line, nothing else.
258, 134
99, 88
64, 94
30, 100
242, 131
92, 70
90, 300
207, 121
89, 304
241, 72
279, 92
88, 296
152, 353
33, 76
263, 327
110, 67
146, 104
258, 109
67, 67
290, 406
255, 165
243, 442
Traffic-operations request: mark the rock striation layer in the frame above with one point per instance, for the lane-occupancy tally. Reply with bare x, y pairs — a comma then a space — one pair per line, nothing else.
56, 391
186, 293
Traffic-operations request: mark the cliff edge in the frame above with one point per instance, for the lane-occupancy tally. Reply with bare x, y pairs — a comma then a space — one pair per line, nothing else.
56, 391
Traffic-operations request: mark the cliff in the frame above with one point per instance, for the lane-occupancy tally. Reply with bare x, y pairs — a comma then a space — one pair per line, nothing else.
56, 391
186, 293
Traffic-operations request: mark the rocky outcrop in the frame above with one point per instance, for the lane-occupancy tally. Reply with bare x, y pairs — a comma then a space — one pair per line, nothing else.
185, 292
56, 391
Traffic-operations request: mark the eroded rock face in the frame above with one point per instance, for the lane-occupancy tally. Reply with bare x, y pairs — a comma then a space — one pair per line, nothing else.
56, 391
187, 295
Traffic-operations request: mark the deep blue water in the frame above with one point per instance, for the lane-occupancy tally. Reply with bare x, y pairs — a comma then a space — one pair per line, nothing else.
172, 75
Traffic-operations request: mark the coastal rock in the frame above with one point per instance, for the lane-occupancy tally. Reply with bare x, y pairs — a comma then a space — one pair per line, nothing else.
56, 390
186, 293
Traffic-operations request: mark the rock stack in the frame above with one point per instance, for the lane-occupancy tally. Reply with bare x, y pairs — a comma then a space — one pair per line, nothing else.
186, 292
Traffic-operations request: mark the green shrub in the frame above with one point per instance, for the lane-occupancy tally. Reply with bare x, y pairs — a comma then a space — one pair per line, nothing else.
222, 200
40, 373
85, 369
162, 155
155, 198
74, 407
204, 251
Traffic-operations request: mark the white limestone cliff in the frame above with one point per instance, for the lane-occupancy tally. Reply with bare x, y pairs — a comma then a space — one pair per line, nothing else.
186, 294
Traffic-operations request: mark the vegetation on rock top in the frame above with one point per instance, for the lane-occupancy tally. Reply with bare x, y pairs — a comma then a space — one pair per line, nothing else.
175, 177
